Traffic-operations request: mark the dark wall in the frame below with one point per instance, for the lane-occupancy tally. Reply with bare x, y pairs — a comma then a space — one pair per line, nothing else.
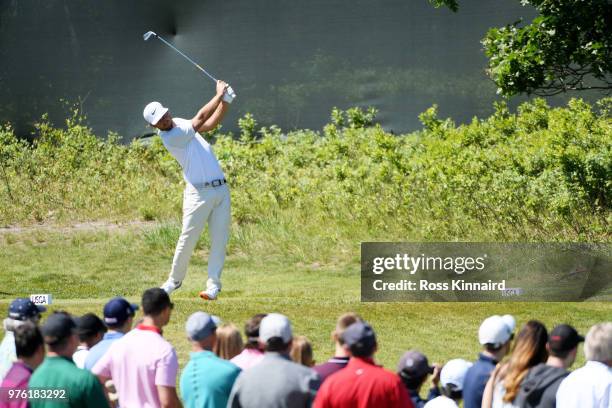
289, 62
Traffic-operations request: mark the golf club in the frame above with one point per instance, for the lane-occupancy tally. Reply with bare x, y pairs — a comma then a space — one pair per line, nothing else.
229, 91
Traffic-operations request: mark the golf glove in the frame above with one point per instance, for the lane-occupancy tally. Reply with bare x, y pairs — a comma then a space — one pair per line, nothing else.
229, 95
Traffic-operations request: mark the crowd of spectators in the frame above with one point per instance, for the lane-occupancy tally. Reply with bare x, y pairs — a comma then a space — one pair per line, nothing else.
115, 361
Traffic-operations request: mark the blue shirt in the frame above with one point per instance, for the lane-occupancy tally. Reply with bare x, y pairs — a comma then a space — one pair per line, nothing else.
97, 351
475, 381
419, 402
207, 380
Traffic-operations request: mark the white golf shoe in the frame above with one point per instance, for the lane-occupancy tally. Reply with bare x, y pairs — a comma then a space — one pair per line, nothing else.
171, 285
210, 293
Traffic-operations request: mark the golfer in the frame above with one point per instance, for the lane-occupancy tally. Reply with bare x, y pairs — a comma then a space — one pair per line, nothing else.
206, 196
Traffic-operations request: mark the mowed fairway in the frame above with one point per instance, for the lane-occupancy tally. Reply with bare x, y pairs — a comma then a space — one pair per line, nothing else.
83, 268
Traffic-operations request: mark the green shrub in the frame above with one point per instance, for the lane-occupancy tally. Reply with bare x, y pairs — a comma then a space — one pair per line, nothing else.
542, 173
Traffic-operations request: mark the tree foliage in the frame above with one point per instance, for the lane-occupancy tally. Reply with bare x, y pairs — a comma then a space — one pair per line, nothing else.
451, 4
566, 48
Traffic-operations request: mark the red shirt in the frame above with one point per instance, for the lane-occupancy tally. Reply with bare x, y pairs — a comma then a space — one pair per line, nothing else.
362, 384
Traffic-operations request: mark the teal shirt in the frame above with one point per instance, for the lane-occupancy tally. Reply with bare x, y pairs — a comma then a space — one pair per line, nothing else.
207, 381
82, 388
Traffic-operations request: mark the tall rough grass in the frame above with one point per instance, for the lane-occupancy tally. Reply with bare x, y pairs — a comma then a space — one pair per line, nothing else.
539, 174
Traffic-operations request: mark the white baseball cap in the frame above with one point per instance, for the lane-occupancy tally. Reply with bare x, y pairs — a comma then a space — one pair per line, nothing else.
153, 112
454, 372
275, 325
496, 330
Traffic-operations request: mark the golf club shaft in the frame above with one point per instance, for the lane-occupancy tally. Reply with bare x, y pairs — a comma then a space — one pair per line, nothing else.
188, 59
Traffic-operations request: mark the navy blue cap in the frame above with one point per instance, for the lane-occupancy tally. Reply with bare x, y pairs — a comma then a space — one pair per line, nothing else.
414, 364
57, 327
118, 310
360, 338
24, 309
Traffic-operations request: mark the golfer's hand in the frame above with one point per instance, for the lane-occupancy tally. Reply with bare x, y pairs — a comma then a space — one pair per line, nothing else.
221, 86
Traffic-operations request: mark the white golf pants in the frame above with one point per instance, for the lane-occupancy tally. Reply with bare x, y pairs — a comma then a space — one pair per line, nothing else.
200, 205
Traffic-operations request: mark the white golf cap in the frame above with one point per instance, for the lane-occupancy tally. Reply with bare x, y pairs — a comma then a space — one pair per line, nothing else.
275, 325
454, 372
153, 112
496, 330
510, 321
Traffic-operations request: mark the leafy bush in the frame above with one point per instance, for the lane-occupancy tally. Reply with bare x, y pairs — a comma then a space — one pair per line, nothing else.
542, 173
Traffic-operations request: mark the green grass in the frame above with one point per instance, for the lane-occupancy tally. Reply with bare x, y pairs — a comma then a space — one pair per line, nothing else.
311, 283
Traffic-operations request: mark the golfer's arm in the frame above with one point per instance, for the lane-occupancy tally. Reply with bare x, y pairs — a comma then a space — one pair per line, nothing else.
215, 118
206, 112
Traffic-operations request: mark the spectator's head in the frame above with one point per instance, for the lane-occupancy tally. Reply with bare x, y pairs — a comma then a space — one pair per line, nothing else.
90, 329
495, 334
275, 333
359, 340
598, 344
563, 344
413, 368
119, 314
29, 344
251, 331
529, 350
201, 331
229, 342
22, 310
60, 334
157, 306
452, 377
301, 351
343, 322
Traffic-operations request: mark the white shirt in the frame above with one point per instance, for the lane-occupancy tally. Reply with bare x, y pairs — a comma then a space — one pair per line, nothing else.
8, 354
193, 153
498, 396
441, 402
589, 386
80, 355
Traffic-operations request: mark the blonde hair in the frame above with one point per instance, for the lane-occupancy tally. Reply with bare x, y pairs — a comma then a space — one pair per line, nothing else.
301, 351
529, 350
229, 341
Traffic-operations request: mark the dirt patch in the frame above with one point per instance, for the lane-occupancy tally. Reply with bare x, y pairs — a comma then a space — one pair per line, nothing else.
81, 226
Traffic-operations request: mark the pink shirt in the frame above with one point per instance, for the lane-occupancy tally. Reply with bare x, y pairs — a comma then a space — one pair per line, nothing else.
139, 362
17, 378
248, 358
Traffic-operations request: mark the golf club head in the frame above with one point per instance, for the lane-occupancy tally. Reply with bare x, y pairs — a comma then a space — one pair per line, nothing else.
148, 35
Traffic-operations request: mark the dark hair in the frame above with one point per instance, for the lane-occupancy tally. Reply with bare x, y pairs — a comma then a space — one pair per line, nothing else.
89, 326
251, 330
27, 339
362, 350
559, 354
412, 383
155, 301
491, 347
451, 391
276, 344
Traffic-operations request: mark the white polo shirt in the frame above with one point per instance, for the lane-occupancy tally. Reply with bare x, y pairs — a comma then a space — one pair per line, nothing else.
588, 386
194, 154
